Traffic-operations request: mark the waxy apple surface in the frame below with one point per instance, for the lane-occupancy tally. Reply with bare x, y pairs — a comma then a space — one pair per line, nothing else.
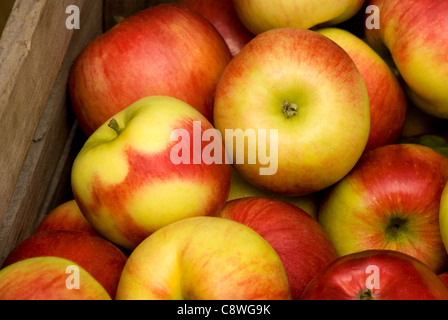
388, 103
163, 50
48, 278
66, 216
261, 15
299, 240
390, 200
204, 258
223, 17
377, 275
126, 183
103, 260
414, 34
306, 87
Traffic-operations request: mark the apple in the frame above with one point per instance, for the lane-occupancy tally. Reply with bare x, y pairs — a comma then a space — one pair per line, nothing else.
301, 243
162, 50
259, 15
390, 200
240, 188
388, 102
223, 17
377, 275
127, 178
49, 278
204, 258
413, 34
303, 91
66, 216
444, 277
99, 257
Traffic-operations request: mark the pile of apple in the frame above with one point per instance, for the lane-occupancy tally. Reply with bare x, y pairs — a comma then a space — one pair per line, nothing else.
162, 210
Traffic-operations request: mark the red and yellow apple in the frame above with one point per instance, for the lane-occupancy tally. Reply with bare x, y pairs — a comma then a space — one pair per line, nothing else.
66, 216
163, 50
390, 200
204, 258
240, 188
305, 93
414, 34
49, 278
260, 15
299, 240
223, 17
444, 277
100, 258
377, 275
388, 102
127, 179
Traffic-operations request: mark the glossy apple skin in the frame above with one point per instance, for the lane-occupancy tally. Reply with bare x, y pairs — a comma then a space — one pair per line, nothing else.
259, 15
204, 258
299, 240
388, 102
223, 17
66, 216
162, 50
414, 34
44, 278
298, 66
401, 277
103, 260
127, 185
444, 277
390, 200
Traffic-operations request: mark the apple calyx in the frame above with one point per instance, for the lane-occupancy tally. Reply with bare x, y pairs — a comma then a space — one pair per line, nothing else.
289, 109
113, 124
395, 228
365, 294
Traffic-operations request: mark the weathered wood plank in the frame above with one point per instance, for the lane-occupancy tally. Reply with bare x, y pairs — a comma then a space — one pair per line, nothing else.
37, 112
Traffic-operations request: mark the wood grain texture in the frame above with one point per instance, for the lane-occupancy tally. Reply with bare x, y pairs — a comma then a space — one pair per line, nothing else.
36, 53
5, 10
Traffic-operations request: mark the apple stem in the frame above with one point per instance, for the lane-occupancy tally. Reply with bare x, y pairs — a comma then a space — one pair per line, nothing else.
113, 124
290, 109
366, 295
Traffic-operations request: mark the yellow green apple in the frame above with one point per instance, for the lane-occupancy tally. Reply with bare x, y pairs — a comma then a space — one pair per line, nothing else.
204, 258
294, 112
130, 178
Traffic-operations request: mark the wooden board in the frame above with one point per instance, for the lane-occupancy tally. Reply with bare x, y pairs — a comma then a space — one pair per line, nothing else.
38, 127
5, 10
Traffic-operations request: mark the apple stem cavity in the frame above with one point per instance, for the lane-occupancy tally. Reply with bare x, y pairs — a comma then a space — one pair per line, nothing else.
113, 124
290, 109
365, 295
